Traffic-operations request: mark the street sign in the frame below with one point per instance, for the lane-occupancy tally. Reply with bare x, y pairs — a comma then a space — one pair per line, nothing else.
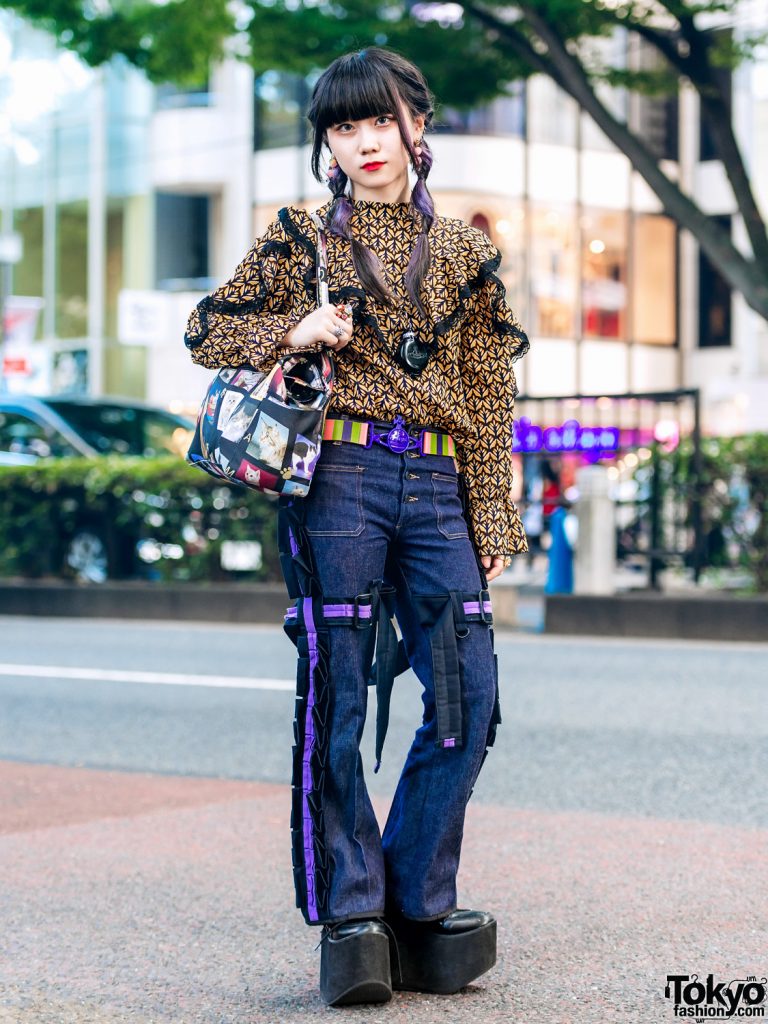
11, 247
143, 317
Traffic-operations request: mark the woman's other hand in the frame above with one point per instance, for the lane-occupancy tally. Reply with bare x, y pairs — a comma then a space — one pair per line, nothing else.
494, 565
329, 324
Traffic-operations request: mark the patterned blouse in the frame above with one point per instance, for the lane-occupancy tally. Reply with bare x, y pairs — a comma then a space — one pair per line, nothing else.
468, 387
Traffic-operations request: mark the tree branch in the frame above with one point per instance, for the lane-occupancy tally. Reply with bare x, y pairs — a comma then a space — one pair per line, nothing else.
697, 68
742, 274
517, 40
720, 123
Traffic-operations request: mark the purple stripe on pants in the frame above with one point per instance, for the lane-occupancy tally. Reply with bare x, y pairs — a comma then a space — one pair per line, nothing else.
473, 607
309, 746
332, 611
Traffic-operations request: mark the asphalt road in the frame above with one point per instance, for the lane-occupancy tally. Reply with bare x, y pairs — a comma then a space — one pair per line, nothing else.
619, 829
673, 730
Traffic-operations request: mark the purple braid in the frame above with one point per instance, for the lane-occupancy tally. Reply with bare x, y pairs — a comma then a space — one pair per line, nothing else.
366, 262
341, 211
421, 204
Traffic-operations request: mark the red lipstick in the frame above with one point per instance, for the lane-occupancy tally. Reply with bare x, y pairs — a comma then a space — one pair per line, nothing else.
373, 165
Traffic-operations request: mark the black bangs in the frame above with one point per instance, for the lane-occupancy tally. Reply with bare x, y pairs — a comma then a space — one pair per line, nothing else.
354, 90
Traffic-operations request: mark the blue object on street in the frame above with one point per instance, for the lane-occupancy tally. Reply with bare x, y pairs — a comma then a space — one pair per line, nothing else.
560, 573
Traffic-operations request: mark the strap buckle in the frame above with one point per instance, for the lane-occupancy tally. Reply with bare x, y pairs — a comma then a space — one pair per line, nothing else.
357, 622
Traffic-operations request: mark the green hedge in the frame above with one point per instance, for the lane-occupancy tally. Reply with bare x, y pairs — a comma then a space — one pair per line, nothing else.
734, 499
186, 513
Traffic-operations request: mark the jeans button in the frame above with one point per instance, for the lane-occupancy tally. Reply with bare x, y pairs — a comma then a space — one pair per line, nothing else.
411, 497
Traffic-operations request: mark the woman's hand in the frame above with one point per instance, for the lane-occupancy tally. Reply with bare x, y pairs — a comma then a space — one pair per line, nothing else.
322, 325
494, 565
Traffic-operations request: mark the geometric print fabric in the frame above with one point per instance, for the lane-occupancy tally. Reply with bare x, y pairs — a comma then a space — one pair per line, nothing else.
468, 387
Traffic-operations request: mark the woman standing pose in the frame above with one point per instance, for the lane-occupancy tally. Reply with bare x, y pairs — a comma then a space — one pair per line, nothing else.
409, 516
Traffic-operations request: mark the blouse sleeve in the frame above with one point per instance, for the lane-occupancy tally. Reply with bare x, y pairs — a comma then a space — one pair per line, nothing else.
244, 320
491, 341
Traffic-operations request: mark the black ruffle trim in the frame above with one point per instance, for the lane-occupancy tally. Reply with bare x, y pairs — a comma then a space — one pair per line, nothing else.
302, 582
294, 231
320, 880
211, 305
362, 315
486, 273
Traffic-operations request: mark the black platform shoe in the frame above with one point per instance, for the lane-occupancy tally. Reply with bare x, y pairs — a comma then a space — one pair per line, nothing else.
442, 956
354, 963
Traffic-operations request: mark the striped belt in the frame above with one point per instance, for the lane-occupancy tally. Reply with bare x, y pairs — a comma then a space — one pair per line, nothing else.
394, 436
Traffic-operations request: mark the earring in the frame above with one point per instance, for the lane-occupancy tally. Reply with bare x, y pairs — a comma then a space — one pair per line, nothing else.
332, 171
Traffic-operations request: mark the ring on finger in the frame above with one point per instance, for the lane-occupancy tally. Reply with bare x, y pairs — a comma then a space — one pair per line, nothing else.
339, 332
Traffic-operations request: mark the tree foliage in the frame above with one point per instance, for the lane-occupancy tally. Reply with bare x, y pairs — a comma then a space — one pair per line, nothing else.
470, 52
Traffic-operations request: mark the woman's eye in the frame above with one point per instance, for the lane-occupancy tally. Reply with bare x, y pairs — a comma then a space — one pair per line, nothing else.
345, 127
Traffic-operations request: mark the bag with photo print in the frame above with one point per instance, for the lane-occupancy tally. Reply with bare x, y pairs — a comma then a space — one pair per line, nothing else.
264, 430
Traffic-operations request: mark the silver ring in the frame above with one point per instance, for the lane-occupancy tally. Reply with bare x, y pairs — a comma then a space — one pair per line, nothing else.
338, 331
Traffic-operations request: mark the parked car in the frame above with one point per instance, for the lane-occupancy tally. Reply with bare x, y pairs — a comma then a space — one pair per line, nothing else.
34, 428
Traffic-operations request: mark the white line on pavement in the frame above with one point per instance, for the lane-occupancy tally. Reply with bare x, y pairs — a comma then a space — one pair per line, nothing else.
164, 678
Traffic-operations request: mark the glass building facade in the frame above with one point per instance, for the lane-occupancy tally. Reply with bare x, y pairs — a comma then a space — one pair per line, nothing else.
127, 194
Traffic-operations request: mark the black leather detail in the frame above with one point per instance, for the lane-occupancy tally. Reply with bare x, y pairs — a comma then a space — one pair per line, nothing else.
463, 921
348, 928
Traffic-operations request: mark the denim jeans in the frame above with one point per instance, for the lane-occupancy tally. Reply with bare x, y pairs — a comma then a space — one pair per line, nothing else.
374, 515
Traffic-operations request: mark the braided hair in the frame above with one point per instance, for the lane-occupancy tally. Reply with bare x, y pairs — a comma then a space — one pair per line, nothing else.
354, 87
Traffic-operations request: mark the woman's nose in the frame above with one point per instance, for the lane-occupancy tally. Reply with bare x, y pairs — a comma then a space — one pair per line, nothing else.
368, 142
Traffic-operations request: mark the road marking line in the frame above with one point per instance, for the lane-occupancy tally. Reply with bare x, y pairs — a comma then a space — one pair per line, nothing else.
164, 678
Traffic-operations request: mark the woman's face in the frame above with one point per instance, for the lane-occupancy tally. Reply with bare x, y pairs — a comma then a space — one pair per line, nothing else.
372, 155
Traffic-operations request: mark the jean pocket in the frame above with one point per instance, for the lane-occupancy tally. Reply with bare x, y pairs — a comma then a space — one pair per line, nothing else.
334, 506
450, 517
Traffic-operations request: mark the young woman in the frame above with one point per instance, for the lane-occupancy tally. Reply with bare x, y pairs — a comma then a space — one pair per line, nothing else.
409, 516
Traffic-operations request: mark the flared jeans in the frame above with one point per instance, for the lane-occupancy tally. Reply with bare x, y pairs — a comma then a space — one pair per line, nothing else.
382, 537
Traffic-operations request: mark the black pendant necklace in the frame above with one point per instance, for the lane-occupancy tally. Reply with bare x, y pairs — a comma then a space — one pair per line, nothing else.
412, 354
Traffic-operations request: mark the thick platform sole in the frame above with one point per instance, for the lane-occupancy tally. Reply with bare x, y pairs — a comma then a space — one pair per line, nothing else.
355, 969
443, 964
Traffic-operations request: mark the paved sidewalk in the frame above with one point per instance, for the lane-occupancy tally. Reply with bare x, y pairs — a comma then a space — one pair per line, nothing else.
128, 897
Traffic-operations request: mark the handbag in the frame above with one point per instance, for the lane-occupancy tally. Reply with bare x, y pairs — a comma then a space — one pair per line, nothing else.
263, 430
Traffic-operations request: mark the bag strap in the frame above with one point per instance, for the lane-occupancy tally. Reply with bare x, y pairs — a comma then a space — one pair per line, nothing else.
322, 261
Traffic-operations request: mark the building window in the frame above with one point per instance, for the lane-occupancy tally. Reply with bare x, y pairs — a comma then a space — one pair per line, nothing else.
280, 100
552, 114
656, 117
172, 97
181, 240
114, 263
724, 79
28, 273
714, 301
604, 274
72, 270
554, 272
654, 280
504, 116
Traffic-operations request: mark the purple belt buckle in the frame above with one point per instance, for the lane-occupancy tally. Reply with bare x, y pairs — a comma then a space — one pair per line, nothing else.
398, 439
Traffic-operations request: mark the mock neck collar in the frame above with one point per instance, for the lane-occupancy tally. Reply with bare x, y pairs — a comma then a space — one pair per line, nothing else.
361, 204
371, 215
